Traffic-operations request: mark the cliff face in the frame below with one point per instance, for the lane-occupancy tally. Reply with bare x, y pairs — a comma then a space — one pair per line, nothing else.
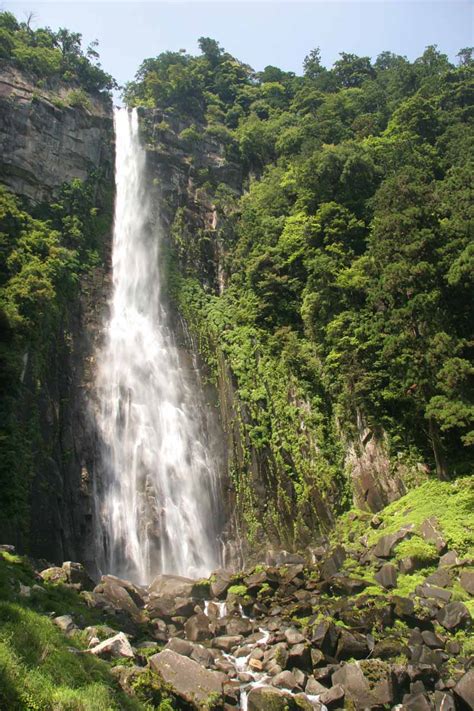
261, 499
49, 137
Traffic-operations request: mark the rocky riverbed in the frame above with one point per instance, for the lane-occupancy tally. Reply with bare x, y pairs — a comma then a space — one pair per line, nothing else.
295, 632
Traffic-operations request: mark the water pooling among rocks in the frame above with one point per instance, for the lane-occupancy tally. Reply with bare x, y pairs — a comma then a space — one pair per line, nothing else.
158, 489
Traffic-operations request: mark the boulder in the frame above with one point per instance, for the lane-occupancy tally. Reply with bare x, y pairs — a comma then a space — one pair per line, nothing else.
343, 585
239, 626
197, 628
227, 643
76, 575
171, 586
351, 645
449, 558
114, 647
167, 607
293, 636
266, 698
188, 680
333, 563
387, 576
464, 689
299, 656
431, 532
444, 701
431, 591
314, 688
333, 697
385, 545
180, 646
325, 636
368, 683
66, 624
221, 580
285, 680
54, 575
118, 597
442, 578
467, 581
454, 615
416, 702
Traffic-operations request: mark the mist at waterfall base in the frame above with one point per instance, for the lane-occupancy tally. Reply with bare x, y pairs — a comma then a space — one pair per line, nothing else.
158, 490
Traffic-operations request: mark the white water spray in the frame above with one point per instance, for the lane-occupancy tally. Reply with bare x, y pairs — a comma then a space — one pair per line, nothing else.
158, 500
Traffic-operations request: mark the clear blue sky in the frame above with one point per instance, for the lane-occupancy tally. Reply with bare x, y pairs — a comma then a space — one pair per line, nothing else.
258, 33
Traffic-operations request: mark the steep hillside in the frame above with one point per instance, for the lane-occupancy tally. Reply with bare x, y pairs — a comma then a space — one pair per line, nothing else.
56, 161
320, 241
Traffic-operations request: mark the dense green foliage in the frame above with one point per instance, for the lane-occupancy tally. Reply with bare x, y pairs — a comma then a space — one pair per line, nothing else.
348, 261
42, 260
52, 55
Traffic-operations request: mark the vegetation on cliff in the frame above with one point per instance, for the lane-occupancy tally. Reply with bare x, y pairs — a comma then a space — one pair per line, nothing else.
347, 265
52, 55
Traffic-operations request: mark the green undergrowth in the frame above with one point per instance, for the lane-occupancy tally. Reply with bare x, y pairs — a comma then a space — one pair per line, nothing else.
40, 668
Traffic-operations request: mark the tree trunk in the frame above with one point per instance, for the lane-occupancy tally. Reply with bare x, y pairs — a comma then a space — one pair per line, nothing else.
440, 461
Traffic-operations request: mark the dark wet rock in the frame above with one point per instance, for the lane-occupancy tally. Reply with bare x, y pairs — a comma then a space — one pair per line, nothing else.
333, 697
454, 615
449, 558
221, 580
387, 576
118, 596
333, 563
432, 640
343, 585
197, 628
317, 657
431, 591
351, 645
188, 680
239, 626
66, 624
416, 702
299, 656
277, 653
389, 648
227, 643
171, 586
431, 532
76, 574
267, 698
410, 565
444, 701
441, 578
314, 687
325, 636
467, 581
167, 607
180, 646
367, 684
285, 680
464, 689
385, 545
403, 607
113, 648
293, 636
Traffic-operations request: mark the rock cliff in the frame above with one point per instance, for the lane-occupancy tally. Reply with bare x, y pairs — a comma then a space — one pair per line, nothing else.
51, 136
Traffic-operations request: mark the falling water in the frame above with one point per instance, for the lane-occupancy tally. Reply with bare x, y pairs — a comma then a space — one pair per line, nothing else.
159, 498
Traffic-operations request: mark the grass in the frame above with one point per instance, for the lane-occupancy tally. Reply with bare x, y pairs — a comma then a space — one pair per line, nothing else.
40, 668
452, 503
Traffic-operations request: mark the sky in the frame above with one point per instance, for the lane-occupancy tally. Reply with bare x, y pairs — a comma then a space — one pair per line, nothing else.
258, 33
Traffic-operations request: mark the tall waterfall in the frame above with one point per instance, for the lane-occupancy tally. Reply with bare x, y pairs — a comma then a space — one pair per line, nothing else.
159, 498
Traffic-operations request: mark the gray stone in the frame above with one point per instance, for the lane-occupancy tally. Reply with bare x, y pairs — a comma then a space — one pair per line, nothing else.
180, 646
66, 624
264, 698
387, 576
227, 643
431, 532
368, 683
454, 615
332, 698
285, 680
293, 636
114, 647
314, 688
444, 701
385, 545
467, 581
197, 628
431, 591
171, 586
188, 679
464, 689
449, 558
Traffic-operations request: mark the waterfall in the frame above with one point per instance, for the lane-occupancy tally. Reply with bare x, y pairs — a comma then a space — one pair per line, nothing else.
158, 498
